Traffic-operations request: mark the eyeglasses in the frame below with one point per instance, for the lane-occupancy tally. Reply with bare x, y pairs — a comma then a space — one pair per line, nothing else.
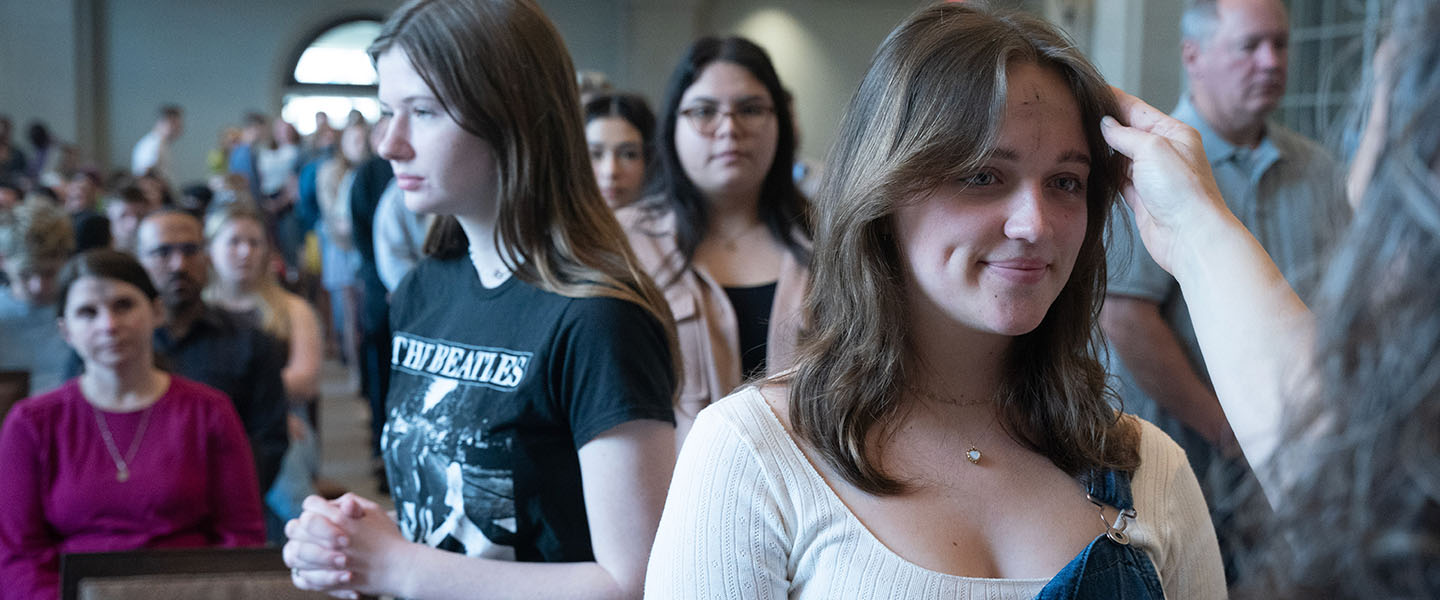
706, 118
185, 249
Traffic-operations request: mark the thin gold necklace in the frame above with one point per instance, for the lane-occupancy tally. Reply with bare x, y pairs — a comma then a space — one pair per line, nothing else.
972, 454
732, 241
122, 465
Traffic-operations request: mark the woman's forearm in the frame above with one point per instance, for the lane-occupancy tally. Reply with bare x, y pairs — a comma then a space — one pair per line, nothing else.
1252, 328
1255, 334
301, 375
433, 574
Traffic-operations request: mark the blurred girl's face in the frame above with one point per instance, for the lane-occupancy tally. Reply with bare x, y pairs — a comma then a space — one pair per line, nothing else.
32, 281
442, 168
617, 153
9, 198
355, 144
109, 322
239, 252
285, 133
728, 132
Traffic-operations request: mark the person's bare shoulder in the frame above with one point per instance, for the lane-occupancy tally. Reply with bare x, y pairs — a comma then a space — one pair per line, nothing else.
298, 304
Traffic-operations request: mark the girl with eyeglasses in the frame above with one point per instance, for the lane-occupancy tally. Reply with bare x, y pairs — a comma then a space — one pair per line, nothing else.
725, 232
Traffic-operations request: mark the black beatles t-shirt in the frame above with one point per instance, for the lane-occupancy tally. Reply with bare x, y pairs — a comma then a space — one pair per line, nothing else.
493, 392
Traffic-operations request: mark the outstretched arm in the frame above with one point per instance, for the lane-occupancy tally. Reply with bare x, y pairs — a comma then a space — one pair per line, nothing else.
1147, 346
1252, 327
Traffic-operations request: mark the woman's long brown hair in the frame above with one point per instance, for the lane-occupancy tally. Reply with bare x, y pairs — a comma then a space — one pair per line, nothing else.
501, 71
928, 111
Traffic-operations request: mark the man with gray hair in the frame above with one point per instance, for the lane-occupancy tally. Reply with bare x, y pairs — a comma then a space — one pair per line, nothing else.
1282, 186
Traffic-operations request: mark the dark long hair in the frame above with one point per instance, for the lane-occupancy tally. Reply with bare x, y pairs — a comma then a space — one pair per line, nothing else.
635, 111
103, 263
782, 207
1361, 515
930, 110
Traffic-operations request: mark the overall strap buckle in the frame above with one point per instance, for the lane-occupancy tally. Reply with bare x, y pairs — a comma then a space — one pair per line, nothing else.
1116, 530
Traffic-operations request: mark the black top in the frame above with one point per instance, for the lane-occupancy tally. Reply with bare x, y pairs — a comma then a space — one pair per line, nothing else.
492, 394
223, 351
370, 180
92, 230
752, 313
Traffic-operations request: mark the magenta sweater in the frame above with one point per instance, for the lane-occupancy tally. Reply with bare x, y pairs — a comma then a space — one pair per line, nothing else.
192, 482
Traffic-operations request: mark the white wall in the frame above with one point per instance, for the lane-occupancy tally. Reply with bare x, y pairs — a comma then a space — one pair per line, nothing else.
97, 69
594, 32
216, 58
821, 49
656, 33
1136, 46
39, 66
1161, 76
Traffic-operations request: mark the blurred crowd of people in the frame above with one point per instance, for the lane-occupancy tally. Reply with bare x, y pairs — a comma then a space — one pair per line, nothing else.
662, 353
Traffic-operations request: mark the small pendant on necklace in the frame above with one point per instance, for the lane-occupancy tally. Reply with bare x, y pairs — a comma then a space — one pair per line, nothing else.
122, 475
973, 455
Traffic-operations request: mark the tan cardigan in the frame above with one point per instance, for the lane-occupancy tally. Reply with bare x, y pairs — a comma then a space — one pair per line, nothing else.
704, 320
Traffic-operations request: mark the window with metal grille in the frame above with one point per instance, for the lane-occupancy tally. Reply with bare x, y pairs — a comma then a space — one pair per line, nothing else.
1332, 45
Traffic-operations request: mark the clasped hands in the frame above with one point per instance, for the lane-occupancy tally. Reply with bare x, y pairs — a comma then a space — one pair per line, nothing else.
344, 547
350, 546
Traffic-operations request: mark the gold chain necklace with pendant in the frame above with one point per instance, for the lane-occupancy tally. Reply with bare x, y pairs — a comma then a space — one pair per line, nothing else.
122, 464
972, 454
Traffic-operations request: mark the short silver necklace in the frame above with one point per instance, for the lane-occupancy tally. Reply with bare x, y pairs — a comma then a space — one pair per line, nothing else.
499, 273
122, 464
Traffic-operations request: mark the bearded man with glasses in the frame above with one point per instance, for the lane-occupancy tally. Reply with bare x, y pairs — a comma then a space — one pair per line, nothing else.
206, 344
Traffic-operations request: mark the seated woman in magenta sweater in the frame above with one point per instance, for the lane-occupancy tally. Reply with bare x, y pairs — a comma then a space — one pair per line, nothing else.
125, 456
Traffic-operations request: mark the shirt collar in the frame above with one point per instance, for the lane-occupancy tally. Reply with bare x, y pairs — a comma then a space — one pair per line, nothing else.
1218, 149
209, 320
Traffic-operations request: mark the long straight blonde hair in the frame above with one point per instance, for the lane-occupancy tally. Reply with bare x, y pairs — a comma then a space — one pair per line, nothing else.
274, 312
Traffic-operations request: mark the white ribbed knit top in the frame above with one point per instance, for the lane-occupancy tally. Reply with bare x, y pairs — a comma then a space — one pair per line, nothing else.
748, 516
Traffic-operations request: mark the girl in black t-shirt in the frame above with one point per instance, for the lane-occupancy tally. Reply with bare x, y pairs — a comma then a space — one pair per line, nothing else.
521, 427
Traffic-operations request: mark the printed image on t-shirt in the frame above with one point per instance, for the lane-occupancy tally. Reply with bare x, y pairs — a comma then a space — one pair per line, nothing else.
459, 493
493, 392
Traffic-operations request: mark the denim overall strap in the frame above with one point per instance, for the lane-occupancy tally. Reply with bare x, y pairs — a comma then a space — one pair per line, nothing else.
1112, 488
1110, 567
